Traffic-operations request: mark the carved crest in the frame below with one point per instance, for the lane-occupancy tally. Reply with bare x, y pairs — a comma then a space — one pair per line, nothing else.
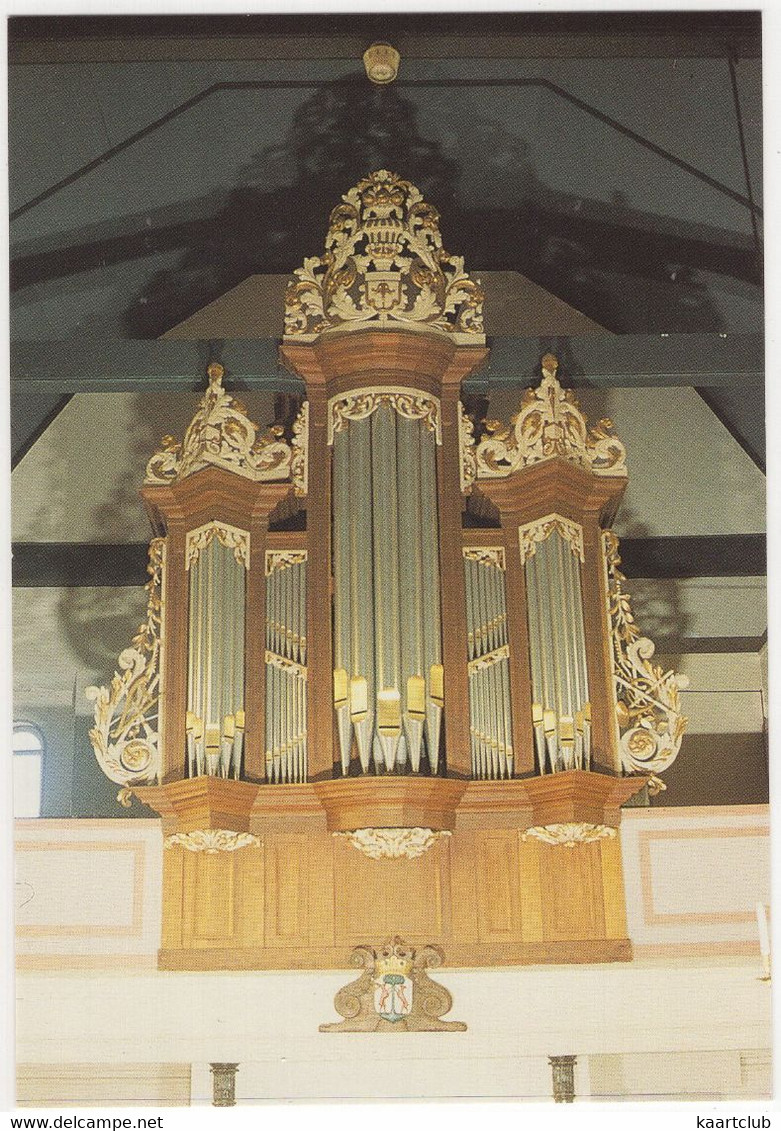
222, 435
550, 423
394, 993
384, 264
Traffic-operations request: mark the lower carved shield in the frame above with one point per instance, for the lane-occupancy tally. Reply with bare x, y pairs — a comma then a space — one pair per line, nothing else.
393, 996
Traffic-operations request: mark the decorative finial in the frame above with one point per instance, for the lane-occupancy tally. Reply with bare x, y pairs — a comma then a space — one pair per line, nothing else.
384, 265
550, 424
215, 372
550, 365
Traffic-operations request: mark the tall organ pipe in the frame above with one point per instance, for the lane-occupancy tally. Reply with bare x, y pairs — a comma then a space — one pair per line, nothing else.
215, 676
561, 709
386, 589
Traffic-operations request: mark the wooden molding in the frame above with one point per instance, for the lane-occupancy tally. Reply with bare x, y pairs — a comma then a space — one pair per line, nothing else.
201, 803
343, 360
390, 802
576, 796
553, 485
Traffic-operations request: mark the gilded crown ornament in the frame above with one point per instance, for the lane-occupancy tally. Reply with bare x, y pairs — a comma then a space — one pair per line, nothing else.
221, 435
384, 265
549, 424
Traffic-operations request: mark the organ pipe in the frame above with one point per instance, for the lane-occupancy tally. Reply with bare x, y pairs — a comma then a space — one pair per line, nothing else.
388, 686
286, 673
214, 722
561, 711
488, 659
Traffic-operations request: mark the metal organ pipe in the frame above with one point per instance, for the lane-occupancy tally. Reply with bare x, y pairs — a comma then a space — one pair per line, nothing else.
286, 673
488, 658
387, 651
561, 711
215, 677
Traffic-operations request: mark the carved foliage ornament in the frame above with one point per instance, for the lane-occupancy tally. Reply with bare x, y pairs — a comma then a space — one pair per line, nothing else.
221, 435
391, 844
283, 559
486, 555
212, 840
549, 424
383, 264
229, 536
394, 993
362, 403
648, 702
125, 737
569, 834
532, 533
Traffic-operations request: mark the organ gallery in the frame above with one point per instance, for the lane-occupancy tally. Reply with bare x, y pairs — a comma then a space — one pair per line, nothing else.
389, 681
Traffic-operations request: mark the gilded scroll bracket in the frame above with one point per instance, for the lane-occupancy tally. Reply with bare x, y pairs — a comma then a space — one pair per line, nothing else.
125, 736
360, 404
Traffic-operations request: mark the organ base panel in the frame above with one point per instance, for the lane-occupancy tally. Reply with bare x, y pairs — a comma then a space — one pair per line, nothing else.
301, 897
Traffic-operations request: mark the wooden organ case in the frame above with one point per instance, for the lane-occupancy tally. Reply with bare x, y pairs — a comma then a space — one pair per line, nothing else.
394, 720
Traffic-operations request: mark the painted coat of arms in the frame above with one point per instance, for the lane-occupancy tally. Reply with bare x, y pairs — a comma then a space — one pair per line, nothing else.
394, 993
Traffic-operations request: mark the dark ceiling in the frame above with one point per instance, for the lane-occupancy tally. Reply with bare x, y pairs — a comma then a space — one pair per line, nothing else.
612, 158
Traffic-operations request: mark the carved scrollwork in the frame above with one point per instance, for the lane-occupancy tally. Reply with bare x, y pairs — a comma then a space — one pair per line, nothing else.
532, 533
550, 423
282, 559
229, 536
486, 555
466, 446
125, 737
648, 703
221, 435
383, 264
299, 460
362, 403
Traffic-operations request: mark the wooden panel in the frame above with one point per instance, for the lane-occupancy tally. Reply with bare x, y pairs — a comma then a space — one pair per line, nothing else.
498, 874
613, 888
375, 898
572, 899
250, 897
173, 897
463, 886
321, 890
212, 895
531, 891
287, 913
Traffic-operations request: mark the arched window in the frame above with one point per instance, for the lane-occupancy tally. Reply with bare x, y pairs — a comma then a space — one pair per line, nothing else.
28, 750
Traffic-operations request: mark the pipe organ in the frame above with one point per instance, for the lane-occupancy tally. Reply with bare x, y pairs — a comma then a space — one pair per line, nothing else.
420, 707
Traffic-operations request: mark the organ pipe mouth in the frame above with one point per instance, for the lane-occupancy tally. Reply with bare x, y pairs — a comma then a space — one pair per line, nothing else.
388, 711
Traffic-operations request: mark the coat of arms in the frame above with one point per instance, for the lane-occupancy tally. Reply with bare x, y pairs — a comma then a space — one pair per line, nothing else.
394, 993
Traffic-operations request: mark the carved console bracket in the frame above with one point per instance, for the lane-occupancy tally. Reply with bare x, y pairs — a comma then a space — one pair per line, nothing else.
394, 994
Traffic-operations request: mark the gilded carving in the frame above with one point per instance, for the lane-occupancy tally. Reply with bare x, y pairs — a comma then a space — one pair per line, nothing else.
486, 555
391, 844
532, 533
648, 703
467, 467
384, 264
569, 834
362, 403
548, 424
299, 460
125, 737
394, 993
221, 435
281, 559
229, 536
212, 840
